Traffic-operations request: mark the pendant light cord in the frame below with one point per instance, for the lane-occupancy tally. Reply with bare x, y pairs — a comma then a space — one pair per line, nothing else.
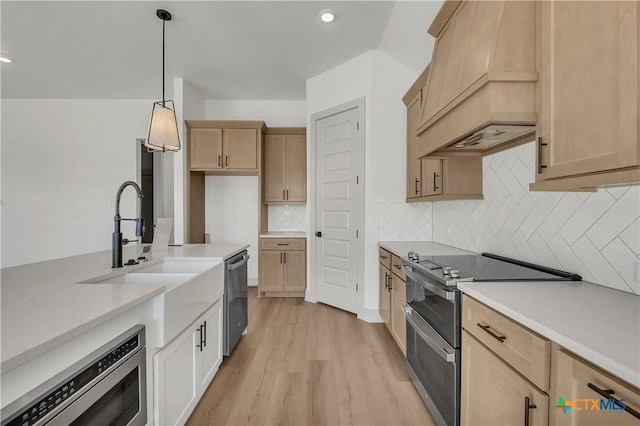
163, 99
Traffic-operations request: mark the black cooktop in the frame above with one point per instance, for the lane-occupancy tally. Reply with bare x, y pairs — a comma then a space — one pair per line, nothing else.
491, 267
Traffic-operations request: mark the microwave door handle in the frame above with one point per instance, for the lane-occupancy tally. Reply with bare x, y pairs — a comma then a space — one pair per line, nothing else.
447, 295
442, 352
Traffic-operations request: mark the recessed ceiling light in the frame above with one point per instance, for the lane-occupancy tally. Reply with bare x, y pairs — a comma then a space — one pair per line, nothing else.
327, 16
5, 60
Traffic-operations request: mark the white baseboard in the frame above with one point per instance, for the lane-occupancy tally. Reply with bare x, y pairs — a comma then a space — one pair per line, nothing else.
370, 315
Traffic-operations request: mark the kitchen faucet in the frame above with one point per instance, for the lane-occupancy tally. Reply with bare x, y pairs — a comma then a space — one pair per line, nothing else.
117, 242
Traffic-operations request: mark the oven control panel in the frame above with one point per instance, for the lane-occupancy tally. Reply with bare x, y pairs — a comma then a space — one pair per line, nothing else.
55, 398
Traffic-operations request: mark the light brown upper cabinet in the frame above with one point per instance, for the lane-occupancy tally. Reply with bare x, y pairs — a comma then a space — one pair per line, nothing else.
285, 166
222, 150
483, 71
587, 131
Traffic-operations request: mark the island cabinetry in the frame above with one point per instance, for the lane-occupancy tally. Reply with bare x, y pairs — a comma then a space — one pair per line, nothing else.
184, 368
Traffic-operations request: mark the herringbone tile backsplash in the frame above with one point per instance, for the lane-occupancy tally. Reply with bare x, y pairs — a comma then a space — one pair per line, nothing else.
594, 234
287, 217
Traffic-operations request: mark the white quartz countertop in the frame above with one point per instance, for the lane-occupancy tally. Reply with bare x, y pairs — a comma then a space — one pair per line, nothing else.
601, 325
283, 234
42, 306
426, 248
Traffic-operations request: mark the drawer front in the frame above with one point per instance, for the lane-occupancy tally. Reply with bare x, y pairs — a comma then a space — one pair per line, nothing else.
577, 383
384, 257
527, 352
283, 243
396, 267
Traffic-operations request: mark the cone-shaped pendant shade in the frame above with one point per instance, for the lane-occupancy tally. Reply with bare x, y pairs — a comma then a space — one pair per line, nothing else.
163, 128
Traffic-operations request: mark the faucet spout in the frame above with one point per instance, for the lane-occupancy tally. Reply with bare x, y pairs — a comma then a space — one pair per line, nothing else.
116, 240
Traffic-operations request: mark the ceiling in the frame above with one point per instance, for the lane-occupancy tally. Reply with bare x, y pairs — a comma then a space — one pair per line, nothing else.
226, 49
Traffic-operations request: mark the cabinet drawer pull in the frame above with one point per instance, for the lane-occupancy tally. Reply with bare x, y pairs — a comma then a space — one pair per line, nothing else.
488, 330
417, 186
528, 406
435, 176
219, 160
384, 257
399, 267
283, 244
608, 394
540, 165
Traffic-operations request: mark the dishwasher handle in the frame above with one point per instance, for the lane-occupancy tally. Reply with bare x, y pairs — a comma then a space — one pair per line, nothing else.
233, 266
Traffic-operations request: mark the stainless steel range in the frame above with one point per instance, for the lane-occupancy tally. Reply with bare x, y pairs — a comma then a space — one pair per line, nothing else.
433, 313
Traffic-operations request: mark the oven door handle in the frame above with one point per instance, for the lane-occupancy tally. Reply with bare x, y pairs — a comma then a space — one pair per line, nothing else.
429, 340
447, 295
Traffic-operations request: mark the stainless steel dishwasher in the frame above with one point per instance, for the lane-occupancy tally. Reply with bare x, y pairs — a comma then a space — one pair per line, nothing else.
235, 300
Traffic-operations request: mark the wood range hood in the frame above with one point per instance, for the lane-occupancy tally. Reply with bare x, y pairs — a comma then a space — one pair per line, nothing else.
480, 90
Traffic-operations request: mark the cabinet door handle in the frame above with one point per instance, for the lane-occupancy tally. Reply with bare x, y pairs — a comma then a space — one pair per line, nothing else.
435, 176
417, 186
528, 406
204, 340
540, 165
219, 160
287, 194
285, 257
390, 281
226, 160
386, 281
283, 195
199, 329
608, 394
488, 330
280, 257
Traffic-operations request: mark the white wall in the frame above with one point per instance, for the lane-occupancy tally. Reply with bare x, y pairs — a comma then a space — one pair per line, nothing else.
189, 106
383, 82
275, 113
62, 163
231, 204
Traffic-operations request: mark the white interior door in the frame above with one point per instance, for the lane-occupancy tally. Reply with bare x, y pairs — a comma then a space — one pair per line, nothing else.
336, 209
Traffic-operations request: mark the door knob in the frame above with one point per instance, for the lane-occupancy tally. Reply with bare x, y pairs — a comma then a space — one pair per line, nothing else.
319, 234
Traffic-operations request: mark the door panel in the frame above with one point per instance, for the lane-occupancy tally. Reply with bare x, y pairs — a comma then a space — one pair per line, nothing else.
205, 149
297, 167
240, 149
432, 178
588, 119
337, 156
385, 295
295, 271
211, 355
398, 320
275, 148
272, 275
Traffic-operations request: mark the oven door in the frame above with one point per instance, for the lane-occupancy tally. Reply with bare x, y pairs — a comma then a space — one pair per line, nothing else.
436, 303
434, 368
118, 399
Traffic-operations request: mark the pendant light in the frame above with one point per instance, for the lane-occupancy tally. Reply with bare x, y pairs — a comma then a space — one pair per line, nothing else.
163, 126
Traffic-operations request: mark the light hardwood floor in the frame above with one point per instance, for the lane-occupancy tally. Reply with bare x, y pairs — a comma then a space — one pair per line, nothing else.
310, 364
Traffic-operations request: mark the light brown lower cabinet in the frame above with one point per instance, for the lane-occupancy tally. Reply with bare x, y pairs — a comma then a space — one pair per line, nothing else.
581, 387
392, 290
385, 294
494, 393
283, 268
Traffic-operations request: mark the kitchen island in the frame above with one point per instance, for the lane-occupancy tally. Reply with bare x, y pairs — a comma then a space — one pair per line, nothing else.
50, 319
